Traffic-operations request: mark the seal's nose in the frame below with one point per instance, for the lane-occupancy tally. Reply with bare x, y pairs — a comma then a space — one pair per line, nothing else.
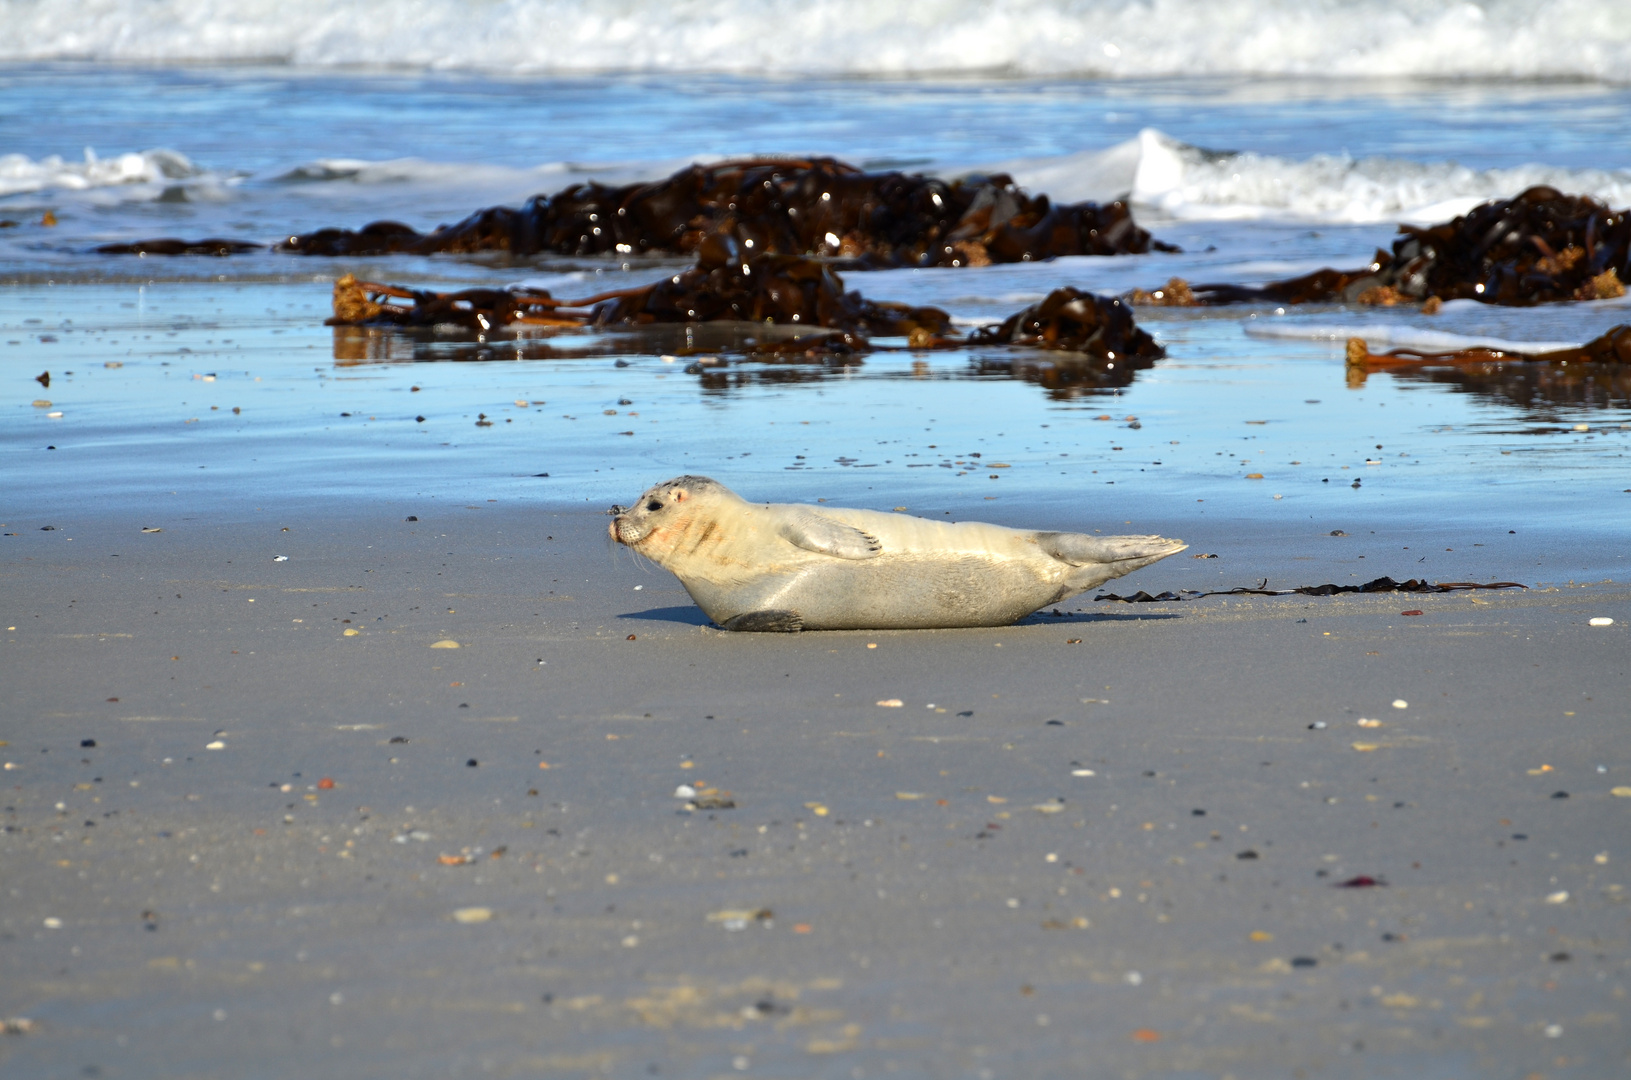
611, 527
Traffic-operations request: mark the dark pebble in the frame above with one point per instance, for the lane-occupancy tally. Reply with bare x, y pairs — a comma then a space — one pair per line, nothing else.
1304, 961
87, 742
1363, 881
1247, 854
471, 763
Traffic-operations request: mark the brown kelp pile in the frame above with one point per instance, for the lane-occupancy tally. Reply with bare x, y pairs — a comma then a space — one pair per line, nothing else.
724, 286
1379, 585
1076, 321
1540, 247
817, 206
783, 289
169, 246
1611, 347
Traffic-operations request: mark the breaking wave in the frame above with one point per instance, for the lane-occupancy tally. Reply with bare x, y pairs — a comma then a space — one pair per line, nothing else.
1491, 39
1164, 178
1185, 182
20, 174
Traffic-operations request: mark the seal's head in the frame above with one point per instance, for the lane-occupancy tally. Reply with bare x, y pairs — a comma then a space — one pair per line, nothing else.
664, 515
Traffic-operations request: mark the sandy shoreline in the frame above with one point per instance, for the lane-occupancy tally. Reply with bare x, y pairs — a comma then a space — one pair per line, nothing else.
944, 895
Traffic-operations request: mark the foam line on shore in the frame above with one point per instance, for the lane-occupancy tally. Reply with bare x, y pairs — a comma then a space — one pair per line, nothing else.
1398, 337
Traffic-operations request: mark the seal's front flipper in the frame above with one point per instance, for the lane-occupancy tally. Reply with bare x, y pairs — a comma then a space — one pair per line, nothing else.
1079, 549
766, 622
812, 532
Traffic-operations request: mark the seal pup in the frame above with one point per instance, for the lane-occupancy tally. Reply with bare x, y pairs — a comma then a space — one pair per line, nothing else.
786, 567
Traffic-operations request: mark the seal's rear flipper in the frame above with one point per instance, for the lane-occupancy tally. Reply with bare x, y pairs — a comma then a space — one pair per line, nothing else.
766, 622
1079, 549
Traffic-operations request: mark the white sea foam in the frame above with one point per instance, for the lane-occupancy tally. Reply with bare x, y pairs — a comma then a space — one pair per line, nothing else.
1188, 183
1377, 335
19, 173
1117, 38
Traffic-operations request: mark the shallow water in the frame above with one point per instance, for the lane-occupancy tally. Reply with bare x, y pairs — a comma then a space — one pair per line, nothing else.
227, 397
1325, 168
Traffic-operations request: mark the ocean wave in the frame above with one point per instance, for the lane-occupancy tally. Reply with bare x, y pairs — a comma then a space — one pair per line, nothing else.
1182, 182
1164, 179
1526, 39
20, 174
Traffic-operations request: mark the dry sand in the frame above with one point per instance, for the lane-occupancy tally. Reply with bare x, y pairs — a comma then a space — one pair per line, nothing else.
241, 840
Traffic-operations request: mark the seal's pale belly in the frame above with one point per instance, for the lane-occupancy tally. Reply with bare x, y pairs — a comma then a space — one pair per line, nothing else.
907, 591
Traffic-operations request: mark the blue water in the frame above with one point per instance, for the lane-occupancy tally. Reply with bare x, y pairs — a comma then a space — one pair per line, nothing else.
261, 151
265, 151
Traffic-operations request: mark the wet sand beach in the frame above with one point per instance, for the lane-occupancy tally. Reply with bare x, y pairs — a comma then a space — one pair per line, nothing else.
244, 834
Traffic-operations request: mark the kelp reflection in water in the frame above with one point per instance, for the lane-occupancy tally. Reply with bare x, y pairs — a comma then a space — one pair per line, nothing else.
1063, 375
727, 358
397, 345
1534, 388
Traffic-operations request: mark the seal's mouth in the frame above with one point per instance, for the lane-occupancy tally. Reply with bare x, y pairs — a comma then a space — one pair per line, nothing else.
625, 531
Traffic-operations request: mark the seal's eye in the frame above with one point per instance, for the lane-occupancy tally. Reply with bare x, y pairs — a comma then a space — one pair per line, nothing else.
654, 505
